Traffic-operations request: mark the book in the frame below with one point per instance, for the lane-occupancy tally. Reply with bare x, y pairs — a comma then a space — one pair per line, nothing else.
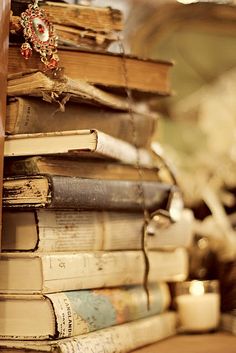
70, 230
67, 314
59, 272
63, 192
117, 339
37, 84
76, 141
88, 39
24, 115
69, 165
228, 322
69, 36
104, 69
97, 19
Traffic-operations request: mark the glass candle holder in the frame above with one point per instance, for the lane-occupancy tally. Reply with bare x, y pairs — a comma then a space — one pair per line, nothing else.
198, 305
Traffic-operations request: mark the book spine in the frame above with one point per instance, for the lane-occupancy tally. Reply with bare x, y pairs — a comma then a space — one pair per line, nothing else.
123, 338
80, 312
88, 194
65, 271
29, 112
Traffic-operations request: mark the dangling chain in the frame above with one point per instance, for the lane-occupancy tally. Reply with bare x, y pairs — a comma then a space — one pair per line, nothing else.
40, 32
140, 184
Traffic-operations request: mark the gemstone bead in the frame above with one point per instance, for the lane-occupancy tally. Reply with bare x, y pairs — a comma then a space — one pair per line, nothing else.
53, 63
40, 28
26, 51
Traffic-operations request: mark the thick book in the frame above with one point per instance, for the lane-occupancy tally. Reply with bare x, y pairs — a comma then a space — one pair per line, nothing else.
70, 230
70, 36
63, 192
116, 339
60, 90
24, 116
103, 69
75, 166
97, 19
59, 272
77, 141
67, 314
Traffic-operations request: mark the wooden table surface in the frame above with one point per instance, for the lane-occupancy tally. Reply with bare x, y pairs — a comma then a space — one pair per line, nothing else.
206, 343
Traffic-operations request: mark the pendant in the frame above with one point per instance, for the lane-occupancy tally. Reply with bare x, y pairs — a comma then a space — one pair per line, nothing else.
39, 31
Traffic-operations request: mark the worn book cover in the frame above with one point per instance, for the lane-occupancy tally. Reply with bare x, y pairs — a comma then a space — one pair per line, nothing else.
63, 271
67, 35
92, 143
75, 166
97, 19
63, 192
117, 339
71, 230
37, 84
67, 314
24, 116
103, 69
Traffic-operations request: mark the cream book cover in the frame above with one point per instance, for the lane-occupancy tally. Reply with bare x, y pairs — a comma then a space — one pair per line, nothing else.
58, 272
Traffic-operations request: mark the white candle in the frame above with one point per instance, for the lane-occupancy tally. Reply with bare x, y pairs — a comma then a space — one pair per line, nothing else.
198, 311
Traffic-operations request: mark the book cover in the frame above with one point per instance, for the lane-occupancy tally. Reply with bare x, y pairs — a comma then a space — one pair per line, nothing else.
37, 84
98, 19
68, 35
104, 69
61, 315
85, 142
24, 115
64, 271
62, 192
75, 166
117, 339
71, 230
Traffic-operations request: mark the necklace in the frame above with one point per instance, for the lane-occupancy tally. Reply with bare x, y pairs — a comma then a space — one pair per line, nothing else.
39, 34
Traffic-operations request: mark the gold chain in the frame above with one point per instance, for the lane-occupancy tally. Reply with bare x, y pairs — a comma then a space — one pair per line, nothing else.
140, 184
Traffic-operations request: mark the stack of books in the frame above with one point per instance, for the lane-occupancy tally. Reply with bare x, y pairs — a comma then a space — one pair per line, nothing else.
80, 180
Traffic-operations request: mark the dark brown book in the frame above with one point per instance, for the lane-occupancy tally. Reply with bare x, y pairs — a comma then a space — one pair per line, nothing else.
78, 167
32, 115
61, 192
113, 71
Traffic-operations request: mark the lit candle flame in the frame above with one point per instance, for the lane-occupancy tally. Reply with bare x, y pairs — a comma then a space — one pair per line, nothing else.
196, 288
